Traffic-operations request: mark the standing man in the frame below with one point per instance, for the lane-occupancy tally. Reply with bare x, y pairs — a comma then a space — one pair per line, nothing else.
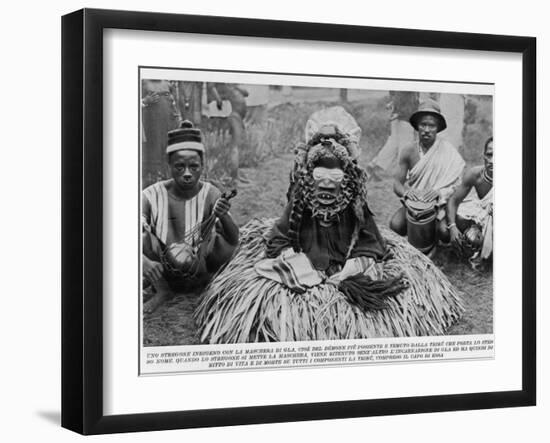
256, 104
469, 214
231, 118
401, 106
189, 100
429, 170
159, 115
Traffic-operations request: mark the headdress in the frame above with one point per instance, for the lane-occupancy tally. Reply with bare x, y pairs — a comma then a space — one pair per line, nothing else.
339, 117
330, 134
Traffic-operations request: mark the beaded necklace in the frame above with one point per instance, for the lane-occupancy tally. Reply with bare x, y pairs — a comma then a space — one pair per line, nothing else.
486, 177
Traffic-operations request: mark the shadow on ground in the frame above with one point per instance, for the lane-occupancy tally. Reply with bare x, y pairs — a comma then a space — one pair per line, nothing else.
53, 417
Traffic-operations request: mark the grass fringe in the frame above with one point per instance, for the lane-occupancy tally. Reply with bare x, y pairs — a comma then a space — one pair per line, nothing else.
240, 306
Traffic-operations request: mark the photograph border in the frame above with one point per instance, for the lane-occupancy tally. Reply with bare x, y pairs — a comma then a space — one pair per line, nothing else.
82, 220
164, 74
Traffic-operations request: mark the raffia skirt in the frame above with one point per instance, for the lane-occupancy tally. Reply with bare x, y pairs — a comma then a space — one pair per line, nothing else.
241, 306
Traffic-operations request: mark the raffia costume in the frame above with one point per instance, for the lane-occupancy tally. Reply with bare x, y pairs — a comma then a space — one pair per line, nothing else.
320, 273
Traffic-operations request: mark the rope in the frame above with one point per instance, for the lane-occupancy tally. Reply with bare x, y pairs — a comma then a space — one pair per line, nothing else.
206, 227
486, 177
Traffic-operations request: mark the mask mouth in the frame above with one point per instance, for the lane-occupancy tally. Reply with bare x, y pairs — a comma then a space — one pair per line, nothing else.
325, 197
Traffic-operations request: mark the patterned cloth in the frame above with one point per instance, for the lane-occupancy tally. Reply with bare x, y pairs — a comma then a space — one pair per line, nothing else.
156, 217
292, 269
296, 272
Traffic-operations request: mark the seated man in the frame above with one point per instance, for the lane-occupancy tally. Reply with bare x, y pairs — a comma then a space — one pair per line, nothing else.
469, 214
429, 170
327, 232
181, 249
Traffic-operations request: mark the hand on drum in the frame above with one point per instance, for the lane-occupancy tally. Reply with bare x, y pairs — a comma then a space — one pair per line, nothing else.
422, 195
412, 194
430, 195
455, 237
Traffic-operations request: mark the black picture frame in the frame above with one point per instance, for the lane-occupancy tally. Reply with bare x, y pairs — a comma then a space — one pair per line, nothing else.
82, 220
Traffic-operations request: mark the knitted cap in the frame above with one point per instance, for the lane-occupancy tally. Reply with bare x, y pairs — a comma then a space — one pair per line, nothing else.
185, 137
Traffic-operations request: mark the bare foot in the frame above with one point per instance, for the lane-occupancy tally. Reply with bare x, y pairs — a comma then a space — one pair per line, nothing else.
153, 303
163, 293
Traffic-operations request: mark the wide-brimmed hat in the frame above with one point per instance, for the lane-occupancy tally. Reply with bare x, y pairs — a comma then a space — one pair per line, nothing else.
428, 107
185, 137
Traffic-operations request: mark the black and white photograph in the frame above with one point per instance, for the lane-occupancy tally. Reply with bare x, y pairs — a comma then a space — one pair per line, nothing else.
275, 221
278, 213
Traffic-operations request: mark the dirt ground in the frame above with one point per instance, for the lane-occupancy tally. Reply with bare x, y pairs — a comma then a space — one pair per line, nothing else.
267, 160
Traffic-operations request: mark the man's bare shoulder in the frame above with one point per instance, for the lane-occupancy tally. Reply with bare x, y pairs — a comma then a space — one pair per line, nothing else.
408, 151
473, 175
213, 190
213, 193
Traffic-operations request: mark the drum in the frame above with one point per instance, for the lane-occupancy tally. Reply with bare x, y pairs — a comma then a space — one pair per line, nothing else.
421, 224
180, 260
472, 240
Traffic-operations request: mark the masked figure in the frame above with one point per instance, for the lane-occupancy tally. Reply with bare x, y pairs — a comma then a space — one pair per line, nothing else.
323, 270
327, 225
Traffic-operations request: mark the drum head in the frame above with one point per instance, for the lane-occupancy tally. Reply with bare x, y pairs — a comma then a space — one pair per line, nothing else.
420, 209
418, 205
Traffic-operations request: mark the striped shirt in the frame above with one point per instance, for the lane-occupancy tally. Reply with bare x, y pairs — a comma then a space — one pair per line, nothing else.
172, 219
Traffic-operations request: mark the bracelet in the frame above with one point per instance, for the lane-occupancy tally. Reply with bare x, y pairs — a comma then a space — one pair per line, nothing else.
452, 225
